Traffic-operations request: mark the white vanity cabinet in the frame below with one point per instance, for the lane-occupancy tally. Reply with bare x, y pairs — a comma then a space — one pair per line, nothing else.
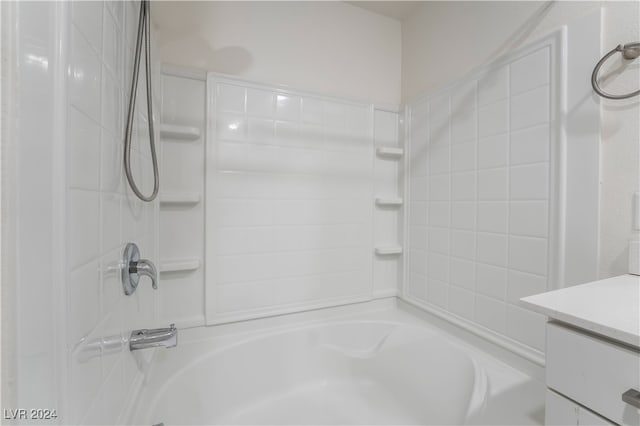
593, 372
592, 352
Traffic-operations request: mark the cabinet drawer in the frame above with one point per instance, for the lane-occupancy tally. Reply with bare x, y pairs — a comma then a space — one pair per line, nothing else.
593, 372
562, 411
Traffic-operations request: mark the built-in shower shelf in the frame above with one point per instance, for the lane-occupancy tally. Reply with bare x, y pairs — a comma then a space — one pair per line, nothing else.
187, 133
179, 265
390, 152
179, 198
388, 250
389, 201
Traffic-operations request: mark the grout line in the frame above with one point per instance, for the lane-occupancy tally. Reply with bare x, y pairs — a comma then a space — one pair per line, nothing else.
476, 154
531, 127
296, 250
280, 277
427, 167
528, 91
509, 168
448, 204
494, 101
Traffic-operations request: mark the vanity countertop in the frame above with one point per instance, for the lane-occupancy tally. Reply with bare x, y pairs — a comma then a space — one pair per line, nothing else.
609, 307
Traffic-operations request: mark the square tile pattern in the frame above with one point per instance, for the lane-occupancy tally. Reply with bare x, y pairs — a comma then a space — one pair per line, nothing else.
479, 197
293, 209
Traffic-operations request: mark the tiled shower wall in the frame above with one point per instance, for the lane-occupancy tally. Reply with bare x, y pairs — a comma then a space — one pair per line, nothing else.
290, 196
480, 211
291, 183
102, 212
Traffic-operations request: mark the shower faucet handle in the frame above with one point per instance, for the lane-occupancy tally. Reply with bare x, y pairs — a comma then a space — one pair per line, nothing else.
145, 268
134, 268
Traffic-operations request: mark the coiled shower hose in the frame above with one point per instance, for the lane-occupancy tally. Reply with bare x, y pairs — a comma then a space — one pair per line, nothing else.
143, 31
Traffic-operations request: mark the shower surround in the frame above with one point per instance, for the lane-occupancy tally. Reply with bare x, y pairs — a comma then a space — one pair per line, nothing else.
309, 199
433, 207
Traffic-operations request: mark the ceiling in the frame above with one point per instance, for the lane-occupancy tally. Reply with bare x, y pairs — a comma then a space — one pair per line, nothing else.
391, 8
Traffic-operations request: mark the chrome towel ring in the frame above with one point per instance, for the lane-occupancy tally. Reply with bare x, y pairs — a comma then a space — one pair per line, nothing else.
629, 52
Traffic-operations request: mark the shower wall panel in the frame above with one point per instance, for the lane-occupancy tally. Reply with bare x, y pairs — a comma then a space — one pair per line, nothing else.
289, 201
103, 214
484, 163
74, 213
182, 217
389, 205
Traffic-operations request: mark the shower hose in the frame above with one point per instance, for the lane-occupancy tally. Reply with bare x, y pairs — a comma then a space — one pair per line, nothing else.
143, 31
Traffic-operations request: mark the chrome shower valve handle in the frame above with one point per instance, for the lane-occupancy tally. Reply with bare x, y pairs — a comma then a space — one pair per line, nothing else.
145, 268
134, 268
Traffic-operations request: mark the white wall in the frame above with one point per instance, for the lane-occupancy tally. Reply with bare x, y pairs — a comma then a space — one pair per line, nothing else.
73, 210
443, 41
331, 48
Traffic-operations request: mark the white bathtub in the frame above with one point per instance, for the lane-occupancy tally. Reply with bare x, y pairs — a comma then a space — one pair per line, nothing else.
381, 366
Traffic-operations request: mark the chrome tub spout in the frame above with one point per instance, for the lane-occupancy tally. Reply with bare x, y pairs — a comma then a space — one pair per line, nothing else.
151, 338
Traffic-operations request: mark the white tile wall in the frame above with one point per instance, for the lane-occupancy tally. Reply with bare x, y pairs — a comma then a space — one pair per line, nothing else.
479, 206
102, 213
290, 200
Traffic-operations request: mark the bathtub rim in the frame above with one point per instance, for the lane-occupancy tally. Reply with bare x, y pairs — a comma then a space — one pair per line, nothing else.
410, 311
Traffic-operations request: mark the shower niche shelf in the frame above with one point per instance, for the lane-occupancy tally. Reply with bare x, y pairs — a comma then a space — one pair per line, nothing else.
179, 199
389, 201
186, 133
388, 250
390, 152
179, 265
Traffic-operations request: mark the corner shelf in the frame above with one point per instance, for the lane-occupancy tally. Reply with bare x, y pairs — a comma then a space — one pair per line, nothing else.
187, 133
179, 265
388, 250
178, 198
389, 201
390, 152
